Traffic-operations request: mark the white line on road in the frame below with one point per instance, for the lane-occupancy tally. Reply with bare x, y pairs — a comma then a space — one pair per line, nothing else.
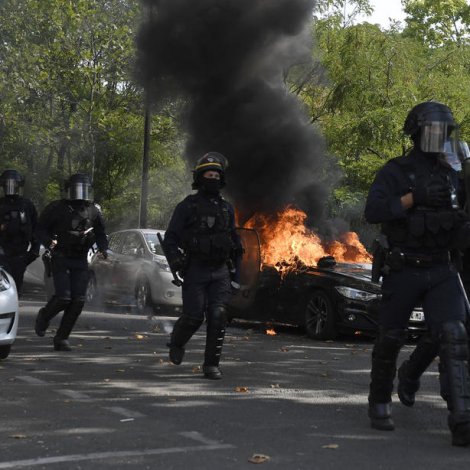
124, 412
31, 380
74, 394
60, 459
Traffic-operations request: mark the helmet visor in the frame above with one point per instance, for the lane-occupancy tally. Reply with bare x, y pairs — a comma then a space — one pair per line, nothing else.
80, 191
11, 186
435, 135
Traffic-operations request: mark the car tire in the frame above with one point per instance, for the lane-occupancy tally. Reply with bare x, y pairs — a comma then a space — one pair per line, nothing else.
320, 317
143, 296
92, 293
5, 350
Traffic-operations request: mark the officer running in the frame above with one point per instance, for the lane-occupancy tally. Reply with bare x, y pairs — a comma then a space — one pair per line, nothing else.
202, 245
18, 218
414, 199
68, 228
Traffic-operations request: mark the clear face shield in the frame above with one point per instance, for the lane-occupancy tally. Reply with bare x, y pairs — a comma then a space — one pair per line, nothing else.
11, 187
80, 192
435, 135
455, 152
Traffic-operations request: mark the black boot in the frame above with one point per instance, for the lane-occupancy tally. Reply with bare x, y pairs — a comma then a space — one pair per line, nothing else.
216, 320
384, 358
61, 344
184, 328
47, 313
454, 356
71, 314
411, 370
380, 415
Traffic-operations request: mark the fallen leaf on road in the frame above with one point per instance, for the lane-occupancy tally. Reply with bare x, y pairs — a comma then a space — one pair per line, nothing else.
324, 375
259, 458
284, 349
139, 336
18, 436
274, 385
196, 369
241, 389
330, 446
120, 370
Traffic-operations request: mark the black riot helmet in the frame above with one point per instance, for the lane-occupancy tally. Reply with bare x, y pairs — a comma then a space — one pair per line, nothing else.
431, 126
78, 188
12, 182
211, 161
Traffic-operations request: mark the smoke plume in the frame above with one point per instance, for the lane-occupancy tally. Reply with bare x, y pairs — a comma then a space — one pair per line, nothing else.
227, 59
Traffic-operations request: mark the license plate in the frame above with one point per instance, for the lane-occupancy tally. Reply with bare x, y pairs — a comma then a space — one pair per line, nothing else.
417, 317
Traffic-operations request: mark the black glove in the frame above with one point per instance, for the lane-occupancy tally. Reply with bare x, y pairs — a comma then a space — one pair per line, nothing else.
432, 195
31, 256
178, 263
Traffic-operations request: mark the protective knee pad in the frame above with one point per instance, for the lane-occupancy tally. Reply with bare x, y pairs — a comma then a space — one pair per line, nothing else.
217, 316
388, 344
454, 340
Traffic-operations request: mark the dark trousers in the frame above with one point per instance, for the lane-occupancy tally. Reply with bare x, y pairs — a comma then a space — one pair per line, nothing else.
70, 277
205, 288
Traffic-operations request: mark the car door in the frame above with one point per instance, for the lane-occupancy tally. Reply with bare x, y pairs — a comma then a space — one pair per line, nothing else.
249, 270
129, 261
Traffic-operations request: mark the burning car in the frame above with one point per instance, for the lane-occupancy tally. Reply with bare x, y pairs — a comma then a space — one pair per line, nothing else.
8, 313
326, 296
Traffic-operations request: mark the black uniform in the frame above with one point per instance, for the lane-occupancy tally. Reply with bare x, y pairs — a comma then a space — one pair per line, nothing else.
419, 269
18, 245
202, 244
75, 225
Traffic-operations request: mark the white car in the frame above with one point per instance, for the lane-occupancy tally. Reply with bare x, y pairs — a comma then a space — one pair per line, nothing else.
8, 313
137, 269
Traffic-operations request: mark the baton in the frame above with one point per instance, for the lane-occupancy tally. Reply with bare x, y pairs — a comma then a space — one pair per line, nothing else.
464, 293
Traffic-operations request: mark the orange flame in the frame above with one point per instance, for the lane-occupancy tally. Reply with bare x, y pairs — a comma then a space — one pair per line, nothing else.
271, 332
287, 243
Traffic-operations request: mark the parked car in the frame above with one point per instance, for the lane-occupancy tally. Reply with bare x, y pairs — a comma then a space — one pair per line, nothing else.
136, 268
8, 313
326, 299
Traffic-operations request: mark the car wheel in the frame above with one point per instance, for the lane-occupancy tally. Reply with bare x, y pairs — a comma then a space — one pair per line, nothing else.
320, 318
92, 295
143, 297
5, 351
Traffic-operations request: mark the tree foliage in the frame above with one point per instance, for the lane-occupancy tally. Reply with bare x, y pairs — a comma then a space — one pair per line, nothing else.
69, 101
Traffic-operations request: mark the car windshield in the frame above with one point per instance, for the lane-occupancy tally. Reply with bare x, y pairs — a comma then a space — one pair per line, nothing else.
153, 243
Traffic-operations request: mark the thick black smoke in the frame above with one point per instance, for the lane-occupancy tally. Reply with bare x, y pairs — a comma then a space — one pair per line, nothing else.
227, 59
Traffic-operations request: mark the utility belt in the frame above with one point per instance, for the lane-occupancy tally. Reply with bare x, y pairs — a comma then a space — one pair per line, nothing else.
386, 259
396, 259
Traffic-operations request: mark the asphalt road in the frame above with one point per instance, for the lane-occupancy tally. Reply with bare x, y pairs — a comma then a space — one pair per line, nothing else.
116, 402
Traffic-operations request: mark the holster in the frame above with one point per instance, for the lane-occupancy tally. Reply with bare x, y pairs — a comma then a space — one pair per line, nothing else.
379, 253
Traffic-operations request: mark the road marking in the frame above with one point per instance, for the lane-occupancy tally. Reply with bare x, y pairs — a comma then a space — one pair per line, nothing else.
74, 394
31, 380
60, 459
124, 412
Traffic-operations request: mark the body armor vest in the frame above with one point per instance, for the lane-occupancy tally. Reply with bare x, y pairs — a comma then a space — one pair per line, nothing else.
16, 225
208, 234
427, 228
74, 231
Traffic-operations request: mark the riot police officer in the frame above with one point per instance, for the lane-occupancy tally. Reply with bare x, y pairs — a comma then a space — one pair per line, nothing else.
202, 245
18, 217
414, 198
68, 228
